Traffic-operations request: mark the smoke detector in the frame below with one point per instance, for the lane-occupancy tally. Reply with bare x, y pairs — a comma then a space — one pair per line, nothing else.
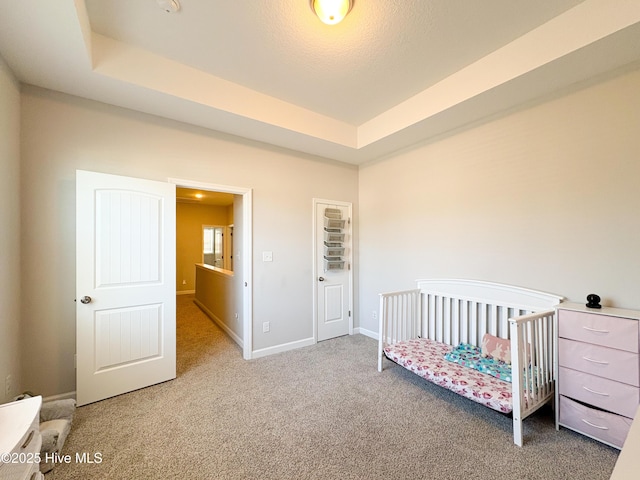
169, 6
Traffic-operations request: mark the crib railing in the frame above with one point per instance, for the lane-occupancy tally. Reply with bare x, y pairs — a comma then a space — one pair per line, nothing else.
533, 356
445, 318
400, 319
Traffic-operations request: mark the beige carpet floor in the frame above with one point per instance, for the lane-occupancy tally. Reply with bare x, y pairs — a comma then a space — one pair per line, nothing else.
321, 412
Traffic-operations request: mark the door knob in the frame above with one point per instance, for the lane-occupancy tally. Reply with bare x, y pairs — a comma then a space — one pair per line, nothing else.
86, 299
321, 279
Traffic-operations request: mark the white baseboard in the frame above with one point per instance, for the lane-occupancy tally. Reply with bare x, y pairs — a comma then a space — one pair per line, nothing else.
62, 396
186, 292
366, 332
219, 322
285, 347
264, 352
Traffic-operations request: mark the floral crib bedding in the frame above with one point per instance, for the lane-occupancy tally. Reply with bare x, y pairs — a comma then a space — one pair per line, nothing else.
426, 358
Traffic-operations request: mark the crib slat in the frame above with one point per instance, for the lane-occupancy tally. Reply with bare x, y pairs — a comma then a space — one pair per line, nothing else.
493, 319
535, 372
437, 313
482, 326
446, 320
455, 324
465, 326
431, 326
473, 322
439, 319
403, 324
395, 317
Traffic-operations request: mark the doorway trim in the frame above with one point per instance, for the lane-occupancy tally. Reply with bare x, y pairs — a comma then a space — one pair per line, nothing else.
247, 253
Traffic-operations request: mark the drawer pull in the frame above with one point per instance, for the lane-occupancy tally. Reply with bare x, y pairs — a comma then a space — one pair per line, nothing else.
28, 440
601, 362
593, 391
594, 425
595, 330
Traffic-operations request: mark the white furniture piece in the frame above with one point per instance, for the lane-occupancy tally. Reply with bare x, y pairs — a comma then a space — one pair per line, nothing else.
20, 440
453, 311
628, 463
598, 371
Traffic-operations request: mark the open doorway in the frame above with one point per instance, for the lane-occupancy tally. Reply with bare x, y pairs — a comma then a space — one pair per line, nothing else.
204, 234
224, 238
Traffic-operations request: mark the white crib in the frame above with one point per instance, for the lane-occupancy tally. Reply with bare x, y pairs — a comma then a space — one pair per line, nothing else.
453, 311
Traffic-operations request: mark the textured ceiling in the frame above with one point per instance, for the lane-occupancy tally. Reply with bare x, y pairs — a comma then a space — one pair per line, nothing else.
384, 52
393, 73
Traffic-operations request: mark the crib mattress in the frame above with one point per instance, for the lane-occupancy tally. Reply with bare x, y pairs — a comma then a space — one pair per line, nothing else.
425, 358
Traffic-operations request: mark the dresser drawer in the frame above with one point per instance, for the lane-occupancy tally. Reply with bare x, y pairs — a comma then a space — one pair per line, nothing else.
21, 462
614, 332
616, 397
34, 473
604, 362
29, 442
604, 426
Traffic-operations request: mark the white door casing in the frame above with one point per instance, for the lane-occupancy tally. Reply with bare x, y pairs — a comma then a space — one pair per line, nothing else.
243, 256
333, 288
125, 284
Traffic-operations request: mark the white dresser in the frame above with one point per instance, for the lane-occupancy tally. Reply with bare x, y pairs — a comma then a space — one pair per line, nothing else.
598, 377
20, 440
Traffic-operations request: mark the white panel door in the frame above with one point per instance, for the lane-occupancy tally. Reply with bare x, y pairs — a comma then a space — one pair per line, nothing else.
125, 284
333, 276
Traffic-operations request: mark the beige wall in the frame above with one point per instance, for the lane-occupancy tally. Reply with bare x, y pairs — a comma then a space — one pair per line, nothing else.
215, 294
10, 362
190, 218
61, 133
546, 198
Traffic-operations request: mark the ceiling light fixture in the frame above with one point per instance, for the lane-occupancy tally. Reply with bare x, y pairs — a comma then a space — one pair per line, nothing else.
169, 6
331, 11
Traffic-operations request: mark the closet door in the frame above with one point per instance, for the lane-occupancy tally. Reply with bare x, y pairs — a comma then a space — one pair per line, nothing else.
332, 269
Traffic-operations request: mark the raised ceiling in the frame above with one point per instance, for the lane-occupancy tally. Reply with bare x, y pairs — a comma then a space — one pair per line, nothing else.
393, 73
383, 53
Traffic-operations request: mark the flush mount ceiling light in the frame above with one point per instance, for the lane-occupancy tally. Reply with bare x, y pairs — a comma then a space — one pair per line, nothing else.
331, 11
169, 6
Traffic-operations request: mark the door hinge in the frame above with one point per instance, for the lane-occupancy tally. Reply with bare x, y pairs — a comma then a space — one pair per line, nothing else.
349, 312
348, 266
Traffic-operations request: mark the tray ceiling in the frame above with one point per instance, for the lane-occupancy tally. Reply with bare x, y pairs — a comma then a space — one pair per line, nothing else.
393, 73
